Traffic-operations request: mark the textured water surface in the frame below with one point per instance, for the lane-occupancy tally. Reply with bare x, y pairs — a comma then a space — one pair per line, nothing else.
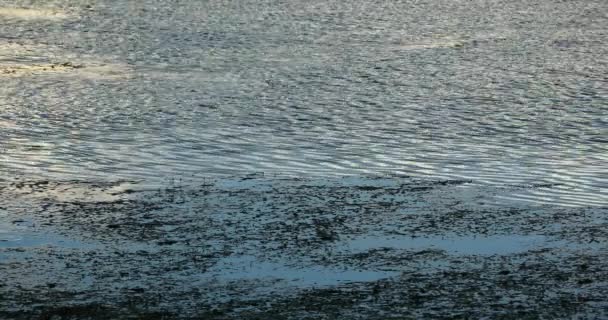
501, 92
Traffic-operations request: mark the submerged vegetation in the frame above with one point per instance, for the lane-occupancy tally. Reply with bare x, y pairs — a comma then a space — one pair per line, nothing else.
274, 248
500, 105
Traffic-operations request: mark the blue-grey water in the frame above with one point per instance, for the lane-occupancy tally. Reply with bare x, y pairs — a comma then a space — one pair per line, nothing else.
500, 92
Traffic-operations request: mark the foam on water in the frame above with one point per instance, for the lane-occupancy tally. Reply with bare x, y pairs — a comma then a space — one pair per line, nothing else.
32, 14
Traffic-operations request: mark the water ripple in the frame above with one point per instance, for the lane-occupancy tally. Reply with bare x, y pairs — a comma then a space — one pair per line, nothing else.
313, 89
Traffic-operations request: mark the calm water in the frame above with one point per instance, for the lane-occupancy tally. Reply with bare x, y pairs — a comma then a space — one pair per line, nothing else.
500, 92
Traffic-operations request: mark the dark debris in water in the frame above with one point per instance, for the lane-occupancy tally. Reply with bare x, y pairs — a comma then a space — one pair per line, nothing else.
270, 248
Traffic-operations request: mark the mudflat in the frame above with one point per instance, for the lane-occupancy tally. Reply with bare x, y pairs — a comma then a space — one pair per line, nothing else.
255, 247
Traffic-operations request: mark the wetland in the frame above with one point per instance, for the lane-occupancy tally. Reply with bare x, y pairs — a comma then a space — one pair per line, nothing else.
303, 159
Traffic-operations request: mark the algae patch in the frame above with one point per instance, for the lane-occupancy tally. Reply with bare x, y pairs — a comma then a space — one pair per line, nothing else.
88, 71
33, 14
272, 248
22, 69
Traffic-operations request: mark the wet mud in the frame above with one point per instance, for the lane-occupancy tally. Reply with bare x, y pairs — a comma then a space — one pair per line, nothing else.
256, 247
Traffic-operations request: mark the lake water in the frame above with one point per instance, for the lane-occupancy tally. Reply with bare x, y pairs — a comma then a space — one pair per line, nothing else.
499, 92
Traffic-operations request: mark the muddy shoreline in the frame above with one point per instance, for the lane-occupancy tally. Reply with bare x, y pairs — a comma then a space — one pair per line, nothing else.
266, 248
506, 98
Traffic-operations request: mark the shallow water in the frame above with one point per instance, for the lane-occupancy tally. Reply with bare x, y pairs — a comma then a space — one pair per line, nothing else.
238, 244
249, 268
467, 245
26, 234
501, 92
21, 239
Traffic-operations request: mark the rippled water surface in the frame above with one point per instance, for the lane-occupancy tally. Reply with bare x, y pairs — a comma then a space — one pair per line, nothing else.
500, 92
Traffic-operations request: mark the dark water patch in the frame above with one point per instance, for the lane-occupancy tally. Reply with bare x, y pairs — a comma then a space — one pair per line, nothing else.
258, 245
